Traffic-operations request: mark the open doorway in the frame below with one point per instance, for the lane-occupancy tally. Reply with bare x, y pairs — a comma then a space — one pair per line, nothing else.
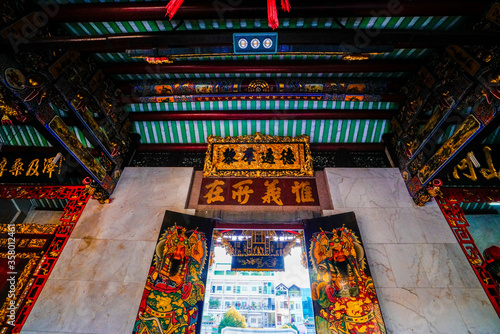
268, 286
179, 287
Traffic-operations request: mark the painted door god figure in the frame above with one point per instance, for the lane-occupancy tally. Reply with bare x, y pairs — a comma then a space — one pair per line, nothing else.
174, 287
345, 297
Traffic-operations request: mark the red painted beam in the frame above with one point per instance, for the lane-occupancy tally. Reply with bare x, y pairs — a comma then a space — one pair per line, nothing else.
267, 67
250, 115
202, 9
314, 147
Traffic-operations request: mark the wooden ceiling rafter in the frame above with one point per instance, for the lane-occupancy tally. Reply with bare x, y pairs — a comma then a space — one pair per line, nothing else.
345, 40
200, 9
316, 147
121, 27
266, 67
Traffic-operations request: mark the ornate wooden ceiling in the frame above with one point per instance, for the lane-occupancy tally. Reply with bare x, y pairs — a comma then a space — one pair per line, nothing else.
308, 87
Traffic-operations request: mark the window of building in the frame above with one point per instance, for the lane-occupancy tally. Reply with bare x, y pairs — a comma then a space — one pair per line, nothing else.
229, 288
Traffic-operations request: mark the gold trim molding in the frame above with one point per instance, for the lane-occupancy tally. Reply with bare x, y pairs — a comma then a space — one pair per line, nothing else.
30, 228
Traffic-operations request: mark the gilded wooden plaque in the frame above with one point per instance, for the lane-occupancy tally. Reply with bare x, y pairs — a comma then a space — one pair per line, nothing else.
258, 156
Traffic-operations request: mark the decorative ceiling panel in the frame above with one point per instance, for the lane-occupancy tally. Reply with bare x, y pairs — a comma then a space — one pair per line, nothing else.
22, 135
261, 105
28, 135
84, 18
319, 131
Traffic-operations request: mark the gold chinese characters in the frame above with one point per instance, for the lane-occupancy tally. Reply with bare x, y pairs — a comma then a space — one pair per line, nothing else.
267, 191
36, 167
258, 156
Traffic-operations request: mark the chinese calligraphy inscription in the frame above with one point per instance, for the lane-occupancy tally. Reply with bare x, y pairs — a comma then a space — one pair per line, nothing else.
259, 191
258, 156
30, 168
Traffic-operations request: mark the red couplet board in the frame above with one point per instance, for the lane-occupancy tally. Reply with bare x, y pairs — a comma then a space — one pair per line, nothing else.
300, 191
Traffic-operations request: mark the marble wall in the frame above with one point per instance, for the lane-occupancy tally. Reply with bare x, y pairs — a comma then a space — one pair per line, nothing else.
97, 282
423, 280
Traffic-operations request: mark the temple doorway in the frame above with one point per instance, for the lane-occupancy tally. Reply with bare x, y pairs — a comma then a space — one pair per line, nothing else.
259, 276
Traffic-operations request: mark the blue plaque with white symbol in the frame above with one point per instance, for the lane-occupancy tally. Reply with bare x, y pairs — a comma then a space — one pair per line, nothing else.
255, 43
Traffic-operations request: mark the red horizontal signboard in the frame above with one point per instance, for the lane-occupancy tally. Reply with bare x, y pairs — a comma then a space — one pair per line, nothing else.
259, 191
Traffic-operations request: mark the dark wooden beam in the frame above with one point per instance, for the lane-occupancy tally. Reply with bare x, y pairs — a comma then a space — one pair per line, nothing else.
201, 9
325, 147
266, 67
314, 147
172, 148
257, 115
315, 40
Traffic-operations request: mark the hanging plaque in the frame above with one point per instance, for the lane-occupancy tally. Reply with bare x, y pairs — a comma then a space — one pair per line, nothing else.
258, 156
